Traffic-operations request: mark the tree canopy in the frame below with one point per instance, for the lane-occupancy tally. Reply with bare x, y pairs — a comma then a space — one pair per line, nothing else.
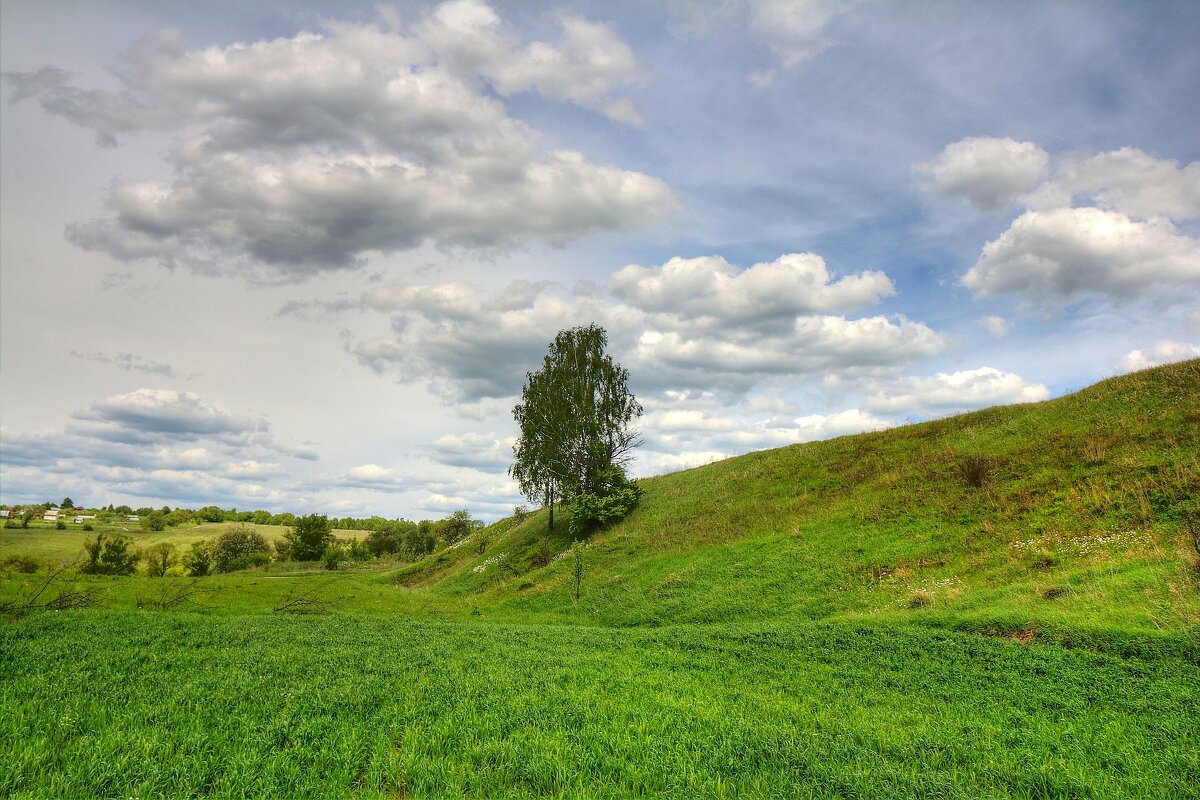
575, 417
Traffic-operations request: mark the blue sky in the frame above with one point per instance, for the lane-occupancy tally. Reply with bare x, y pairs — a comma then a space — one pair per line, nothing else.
299, 256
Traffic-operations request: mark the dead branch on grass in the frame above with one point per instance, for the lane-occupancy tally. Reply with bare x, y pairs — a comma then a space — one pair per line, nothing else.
311, 601
63, 601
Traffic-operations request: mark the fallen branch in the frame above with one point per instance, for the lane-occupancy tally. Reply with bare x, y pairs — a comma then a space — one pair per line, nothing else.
171, 597
63, 601
310, 602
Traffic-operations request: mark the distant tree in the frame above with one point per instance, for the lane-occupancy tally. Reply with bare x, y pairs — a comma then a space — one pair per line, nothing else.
457, 526
238, 548
211, 514
154, 521
420, 540
261, 517
575, 418
160, 558
66, 503
109, 556
123, 510
310, 537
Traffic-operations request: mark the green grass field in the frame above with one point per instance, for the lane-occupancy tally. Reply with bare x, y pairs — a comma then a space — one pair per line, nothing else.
998, 604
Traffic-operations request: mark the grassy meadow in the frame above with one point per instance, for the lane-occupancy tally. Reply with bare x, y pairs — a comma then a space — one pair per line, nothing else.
998, 604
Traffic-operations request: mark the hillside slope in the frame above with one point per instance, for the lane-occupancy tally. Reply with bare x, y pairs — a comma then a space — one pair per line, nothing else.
1062, 515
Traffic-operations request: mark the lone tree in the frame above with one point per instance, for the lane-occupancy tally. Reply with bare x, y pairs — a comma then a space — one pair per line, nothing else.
575, 418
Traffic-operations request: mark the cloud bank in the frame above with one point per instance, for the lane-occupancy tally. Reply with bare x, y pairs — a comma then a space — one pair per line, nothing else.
318, 149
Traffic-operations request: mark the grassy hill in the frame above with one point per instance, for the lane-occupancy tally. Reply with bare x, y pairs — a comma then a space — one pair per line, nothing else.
1053, 516
799, 622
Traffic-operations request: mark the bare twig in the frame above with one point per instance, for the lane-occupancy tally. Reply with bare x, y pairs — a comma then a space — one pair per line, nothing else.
307, 602
170, 597
63, 601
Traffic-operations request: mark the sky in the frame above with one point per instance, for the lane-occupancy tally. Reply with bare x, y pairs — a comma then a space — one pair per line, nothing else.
299, 256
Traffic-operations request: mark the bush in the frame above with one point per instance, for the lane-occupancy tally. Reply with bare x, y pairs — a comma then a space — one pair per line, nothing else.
21, 564
384, 542
457, 526
334, 556
256, 560
154, 521
87, 526
520, 514
60, 525
160, 558
359, 551
235, 545
310, 537
110, 556
419, 541
198, 560
614, 499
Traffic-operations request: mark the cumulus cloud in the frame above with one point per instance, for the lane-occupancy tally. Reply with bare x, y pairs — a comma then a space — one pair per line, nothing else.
1133, 182
373, 476
1078, 251
712, 288
948, 392
991, 173
686, 429
1162, 352
318, 149
690, 323
1101, 225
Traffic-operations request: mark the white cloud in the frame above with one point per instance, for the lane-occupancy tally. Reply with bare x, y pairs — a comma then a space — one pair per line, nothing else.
373, 476
948, 392
842, 423
1135, 183
691, 323
792, 32
991, 173
1165, 351
711, 287
1085, 251
321, 148
996, 326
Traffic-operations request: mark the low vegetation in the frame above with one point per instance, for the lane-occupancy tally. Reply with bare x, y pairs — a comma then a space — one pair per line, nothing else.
871, 616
